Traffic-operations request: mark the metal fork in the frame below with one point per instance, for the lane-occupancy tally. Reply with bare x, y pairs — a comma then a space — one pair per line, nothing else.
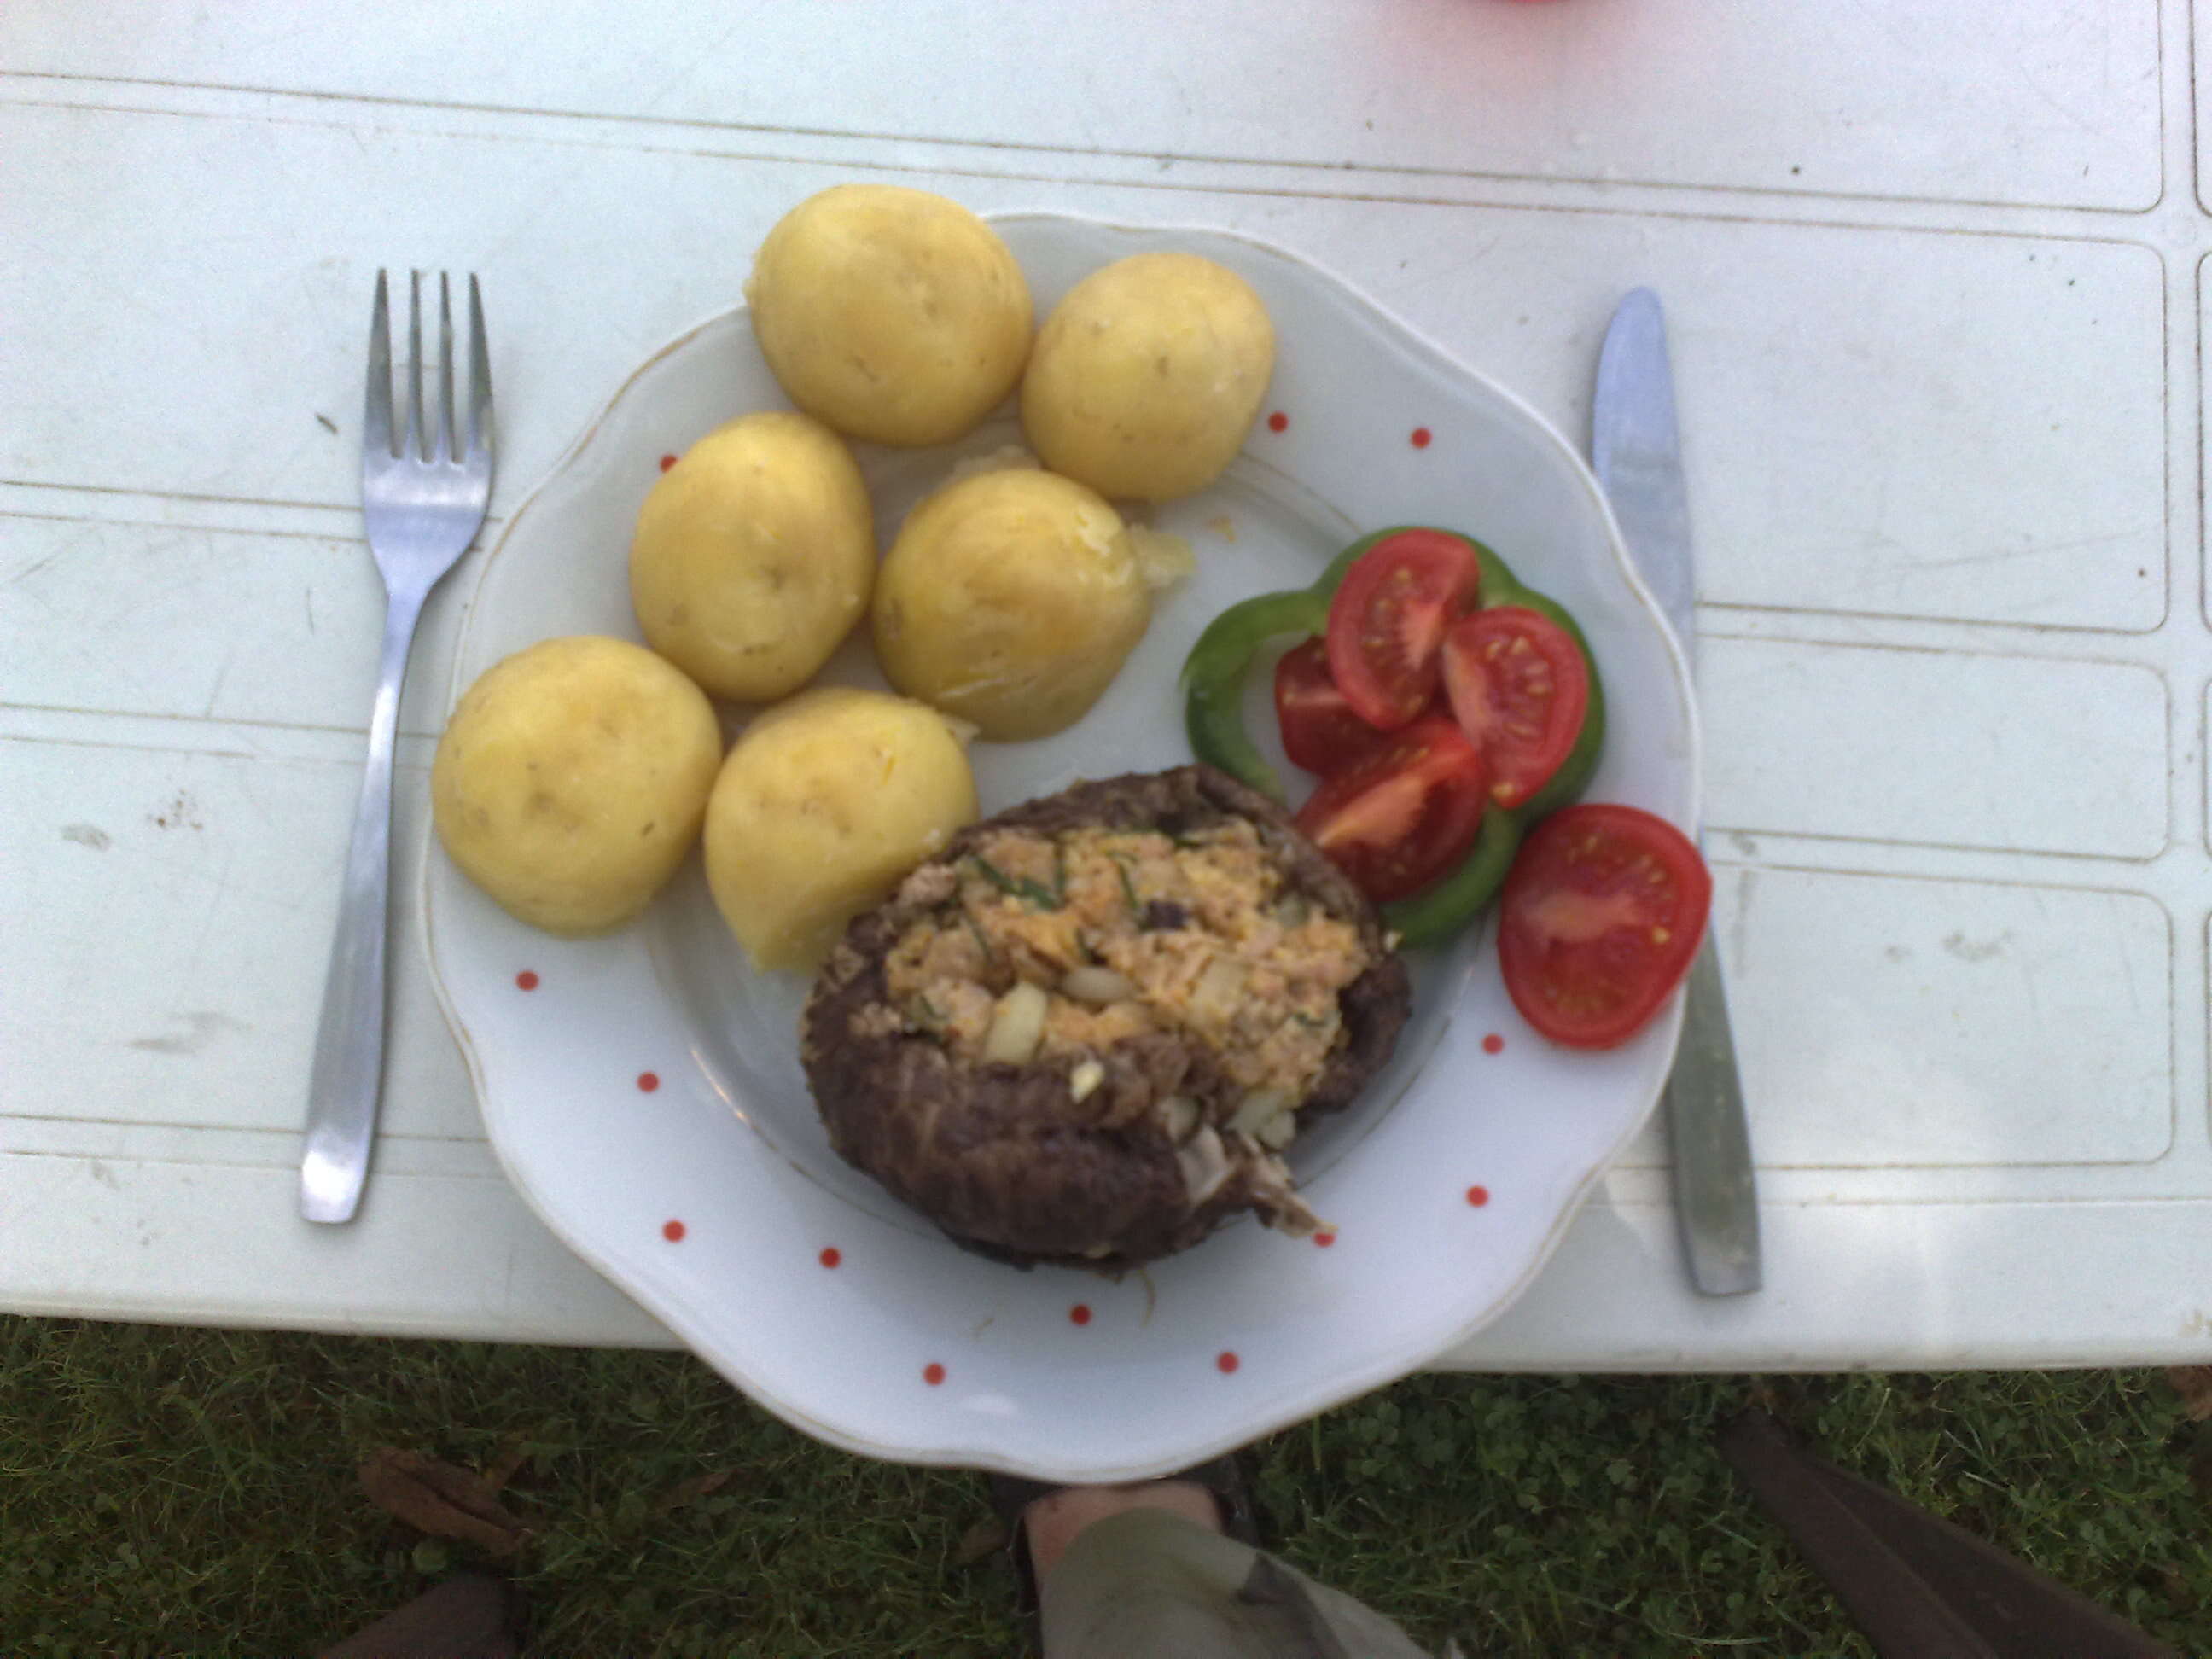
421, 505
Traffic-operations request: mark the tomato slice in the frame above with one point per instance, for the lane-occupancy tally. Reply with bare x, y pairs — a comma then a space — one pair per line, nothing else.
1404, 816
1387, 620
1601, 914
1320, 731
1520, 690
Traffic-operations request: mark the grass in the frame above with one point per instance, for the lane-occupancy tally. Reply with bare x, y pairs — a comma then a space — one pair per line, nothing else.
173, 1491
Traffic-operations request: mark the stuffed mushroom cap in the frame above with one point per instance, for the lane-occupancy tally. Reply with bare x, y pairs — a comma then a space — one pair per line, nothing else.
1086, 1032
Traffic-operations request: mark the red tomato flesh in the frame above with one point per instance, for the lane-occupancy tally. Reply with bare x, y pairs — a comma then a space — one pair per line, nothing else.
1406, 815
1387, 620
1320, 732
1601, 916
1520, 691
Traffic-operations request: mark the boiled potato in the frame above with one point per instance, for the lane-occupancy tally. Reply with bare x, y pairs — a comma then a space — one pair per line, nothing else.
823, 807
894, 315
753, 556
572, 779
1146, 377
1010, 599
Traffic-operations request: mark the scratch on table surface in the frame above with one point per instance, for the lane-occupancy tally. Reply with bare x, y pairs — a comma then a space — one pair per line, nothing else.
215, 906
33, 567
222, 675
261, 811
1739, 931
2029, 549
1898, 37
1182, 95
1473, 255
2128, 973
205, 1024
688, 69
2059, 106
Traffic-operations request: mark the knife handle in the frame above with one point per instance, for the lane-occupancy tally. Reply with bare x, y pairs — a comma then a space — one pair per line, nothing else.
1714, 1197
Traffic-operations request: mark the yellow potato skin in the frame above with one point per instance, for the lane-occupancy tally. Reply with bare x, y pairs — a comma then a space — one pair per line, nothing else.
1011, 600
894, 315
1146, 378
824, 806
753, 556
572, 780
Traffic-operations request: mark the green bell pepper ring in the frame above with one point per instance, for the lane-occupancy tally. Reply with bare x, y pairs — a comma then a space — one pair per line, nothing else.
1438, 912
1213, 673
1213, 680
1213, 677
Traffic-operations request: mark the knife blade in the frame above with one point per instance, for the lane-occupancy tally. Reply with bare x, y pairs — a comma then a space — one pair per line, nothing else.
1636, 451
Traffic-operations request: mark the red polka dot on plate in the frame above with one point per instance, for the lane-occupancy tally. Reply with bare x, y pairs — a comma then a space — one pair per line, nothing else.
1322, 1240
1493, 1044
1078, 1315
933, 1373
526, 980
1226, 1362
1278, 421
672, 1231
1478, 1196
1422, 436
648, 1082
831, 1256
667, 461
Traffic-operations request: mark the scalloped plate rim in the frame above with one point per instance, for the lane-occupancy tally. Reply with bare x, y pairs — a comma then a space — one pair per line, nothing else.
1385, 1364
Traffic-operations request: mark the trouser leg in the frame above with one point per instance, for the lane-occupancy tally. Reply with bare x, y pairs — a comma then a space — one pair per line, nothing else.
1147, 1581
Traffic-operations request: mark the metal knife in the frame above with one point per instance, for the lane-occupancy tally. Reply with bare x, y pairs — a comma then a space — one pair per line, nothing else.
1638, 456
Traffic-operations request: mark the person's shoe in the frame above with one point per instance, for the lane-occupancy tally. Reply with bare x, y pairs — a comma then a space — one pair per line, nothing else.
1011, 1497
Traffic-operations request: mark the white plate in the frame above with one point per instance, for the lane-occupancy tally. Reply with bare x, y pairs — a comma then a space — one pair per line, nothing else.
644, 1090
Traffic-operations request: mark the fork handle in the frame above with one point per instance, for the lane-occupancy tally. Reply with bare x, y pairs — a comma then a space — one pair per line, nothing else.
348, 1070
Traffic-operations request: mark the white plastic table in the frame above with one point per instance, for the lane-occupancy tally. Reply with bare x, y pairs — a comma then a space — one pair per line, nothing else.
1935, 273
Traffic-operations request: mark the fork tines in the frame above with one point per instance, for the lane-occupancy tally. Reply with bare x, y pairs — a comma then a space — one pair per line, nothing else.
439, 438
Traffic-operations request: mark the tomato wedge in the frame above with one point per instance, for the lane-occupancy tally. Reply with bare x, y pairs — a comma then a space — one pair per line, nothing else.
1320, 732
1404, 816
1520, 690
1602, 914
1387, 620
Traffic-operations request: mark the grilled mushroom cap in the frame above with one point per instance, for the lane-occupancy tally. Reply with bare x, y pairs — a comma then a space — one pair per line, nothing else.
1104, 1161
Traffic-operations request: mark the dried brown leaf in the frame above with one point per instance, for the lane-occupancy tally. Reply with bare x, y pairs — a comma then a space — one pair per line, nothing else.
698, 1486
2194, 1384
442, 1500
513, 1453
2200, 1475
985, 1537
2180, 1589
